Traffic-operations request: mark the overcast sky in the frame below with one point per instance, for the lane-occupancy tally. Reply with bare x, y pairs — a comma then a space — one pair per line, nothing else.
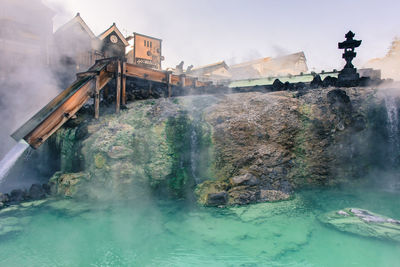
206, 31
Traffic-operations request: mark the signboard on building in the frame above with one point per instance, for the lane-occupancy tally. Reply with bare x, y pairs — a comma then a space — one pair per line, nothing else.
147, 51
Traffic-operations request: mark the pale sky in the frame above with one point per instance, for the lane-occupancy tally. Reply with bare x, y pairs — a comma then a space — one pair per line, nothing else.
206, 31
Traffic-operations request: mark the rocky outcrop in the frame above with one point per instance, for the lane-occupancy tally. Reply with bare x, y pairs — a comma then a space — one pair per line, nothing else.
364, 223
147, 147
230, 149
267, 145
35, 192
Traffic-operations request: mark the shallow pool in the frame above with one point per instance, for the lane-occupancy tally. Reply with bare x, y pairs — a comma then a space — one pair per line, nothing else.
171, 233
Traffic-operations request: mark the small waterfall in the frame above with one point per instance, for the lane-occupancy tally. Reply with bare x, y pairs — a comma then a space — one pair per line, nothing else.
193, 154
11, 158
392, 126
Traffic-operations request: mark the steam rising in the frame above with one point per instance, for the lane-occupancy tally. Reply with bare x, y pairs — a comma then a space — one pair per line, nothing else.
26, 82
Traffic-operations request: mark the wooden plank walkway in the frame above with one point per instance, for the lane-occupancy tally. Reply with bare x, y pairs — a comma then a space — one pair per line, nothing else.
88, 85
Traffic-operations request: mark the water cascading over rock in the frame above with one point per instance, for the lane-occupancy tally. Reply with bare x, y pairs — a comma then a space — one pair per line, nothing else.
392, 109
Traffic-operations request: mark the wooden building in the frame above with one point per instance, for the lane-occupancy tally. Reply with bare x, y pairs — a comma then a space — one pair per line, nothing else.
213, 72
145, 51
76, 46
113, 42
390, 63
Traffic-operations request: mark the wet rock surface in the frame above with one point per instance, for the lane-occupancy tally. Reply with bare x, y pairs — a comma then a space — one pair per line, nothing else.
18, 196
37, 192
364, 223
267, 145
217, 199
231, 149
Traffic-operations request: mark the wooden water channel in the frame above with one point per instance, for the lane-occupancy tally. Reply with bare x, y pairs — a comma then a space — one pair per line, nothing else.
90, 84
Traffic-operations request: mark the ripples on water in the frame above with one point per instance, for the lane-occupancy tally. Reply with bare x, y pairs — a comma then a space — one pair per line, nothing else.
68, 233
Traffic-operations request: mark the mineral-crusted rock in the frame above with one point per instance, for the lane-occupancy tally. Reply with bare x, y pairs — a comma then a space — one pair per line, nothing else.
217, 199
69, 184
255, 147
364, 223
273, 195
247, 179
316, 82
4, 197
17, 195
341, 212
119, 152
242, 195
36, 192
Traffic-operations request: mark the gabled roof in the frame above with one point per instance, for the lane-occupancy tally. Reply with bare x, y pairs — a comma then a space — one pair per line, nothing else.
293, 64
113, 28
247, 63
292, 58
77, 19
210, 67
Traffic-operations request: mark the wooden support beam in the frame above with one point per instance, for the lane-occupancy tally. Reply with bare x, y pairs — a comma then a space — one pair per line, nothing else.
106, 59
118, 88
86, 74
97, 98
59, 116
124, 83
169, 80
105, 92
136, 71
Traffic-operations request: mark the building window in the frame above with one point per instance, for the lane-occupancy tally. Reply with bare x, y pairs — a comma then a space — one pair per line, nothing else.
144, 42
151, 44
148, 44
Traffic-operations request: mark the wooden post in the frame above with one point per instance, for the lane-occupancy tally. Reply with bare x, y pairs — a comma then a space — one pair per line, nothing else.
123, 83
118, 88
194, 82
150, 88
97, 98
182, 78
105, 92
169, 80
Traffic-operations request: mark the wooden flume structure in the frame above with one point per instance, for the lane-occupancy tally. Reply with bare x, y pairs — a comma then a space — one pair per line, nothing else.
89, 85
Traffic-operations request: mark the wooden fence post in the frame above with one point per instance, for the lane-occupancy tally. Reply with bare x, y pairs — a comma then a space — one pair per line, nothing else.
123, 83
150, 87
97, 98
169, 80
182, 79
118, 88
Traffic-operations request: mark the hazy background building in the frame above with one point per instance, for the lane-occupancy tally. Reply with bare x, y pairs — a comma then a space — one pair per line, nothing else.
26, 83
292, 64
389, 64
